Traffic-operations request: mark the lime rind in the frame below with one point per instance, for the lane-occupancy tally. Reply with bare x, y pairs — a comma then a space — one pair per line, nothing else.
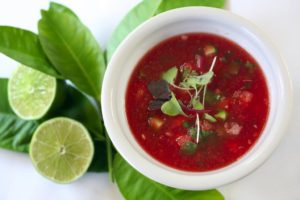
61, 149
31, 93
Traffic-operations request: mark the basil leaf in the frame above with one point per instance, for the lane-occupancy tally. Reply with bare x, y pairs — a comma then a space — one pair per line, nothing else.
15, 133
171, 4
172, 107
4, 104
170, 75
147, 9
135, 186
73, 50
24, 47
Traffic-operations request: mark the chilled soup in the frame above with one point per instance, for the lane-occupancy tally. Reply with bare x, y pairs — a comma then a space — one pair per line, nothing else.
197, 102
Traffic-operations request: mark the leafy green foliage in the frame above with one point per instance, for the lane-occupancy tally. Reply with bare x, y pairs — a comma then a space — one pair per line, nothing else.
172, 107
72, 49
55, 7
140, 13
171, 4
147, 9
83, 109
24, 47
170, 75
4, 105
15, 133
135, 186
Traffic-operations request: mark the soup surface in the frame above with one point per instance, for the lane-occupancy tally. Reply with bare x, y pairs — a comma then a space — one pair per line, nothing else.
197, 102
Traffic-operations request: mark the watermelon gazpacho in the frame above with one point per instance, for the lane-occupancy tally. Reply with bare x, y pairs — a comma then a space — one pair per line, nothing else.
197, 102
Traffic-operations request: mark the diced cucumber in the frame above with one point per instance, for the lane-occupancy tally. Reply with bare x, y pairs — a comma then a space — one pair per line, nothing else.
221, 115
209, 118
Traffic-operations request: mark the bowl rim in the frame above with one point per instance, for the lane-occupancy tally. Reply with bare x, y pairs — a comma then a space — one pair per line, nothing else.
195, 181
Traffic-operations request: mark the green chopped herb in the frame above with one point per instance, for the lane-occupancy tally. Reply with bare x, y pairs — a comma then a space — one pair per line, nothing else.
188, 148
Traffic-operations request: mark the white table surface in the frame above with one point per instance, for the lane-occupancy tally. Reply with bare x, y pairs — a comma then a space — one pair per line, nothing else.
277, 179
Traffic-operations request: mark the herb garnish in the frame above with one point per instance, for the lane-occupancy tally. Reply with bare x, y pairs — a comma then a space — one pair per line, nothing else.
194, 84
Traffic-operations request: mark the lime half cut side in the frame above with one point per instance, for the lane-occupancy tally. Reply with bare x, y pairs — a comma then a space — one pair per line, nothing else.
61, 149
31, 93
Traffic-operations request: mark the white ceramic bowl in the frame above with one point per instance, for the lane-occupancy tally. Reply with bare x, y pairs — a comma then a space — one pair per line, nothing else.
185, 20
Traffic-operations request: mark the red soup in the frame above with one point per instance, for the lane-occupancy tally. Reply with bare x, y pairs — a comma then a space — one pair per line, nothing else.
197, 102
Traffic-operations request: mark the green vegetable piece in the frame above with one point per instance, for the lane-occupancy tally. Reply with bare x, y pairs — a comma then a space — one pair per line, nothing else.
197, 105
170, 75
221, 115
147, 9
192, 132
24, 46
133, 185
172, 107
188, 148
209, 118
73, 50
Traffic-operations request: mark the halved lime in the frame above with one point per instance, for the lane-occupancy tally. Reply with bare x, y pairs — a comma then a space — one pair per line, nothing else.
61, 149
31, 93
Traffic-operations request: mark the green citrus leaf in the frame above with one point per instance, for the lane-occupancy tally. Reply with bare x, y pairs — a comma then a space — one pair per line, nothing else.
135, 186
73, 50
24, 46
147, 9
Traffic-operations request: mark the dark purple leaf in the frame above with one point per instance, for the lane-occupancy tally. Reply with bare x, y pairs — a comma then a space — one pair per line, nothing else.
160, 90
